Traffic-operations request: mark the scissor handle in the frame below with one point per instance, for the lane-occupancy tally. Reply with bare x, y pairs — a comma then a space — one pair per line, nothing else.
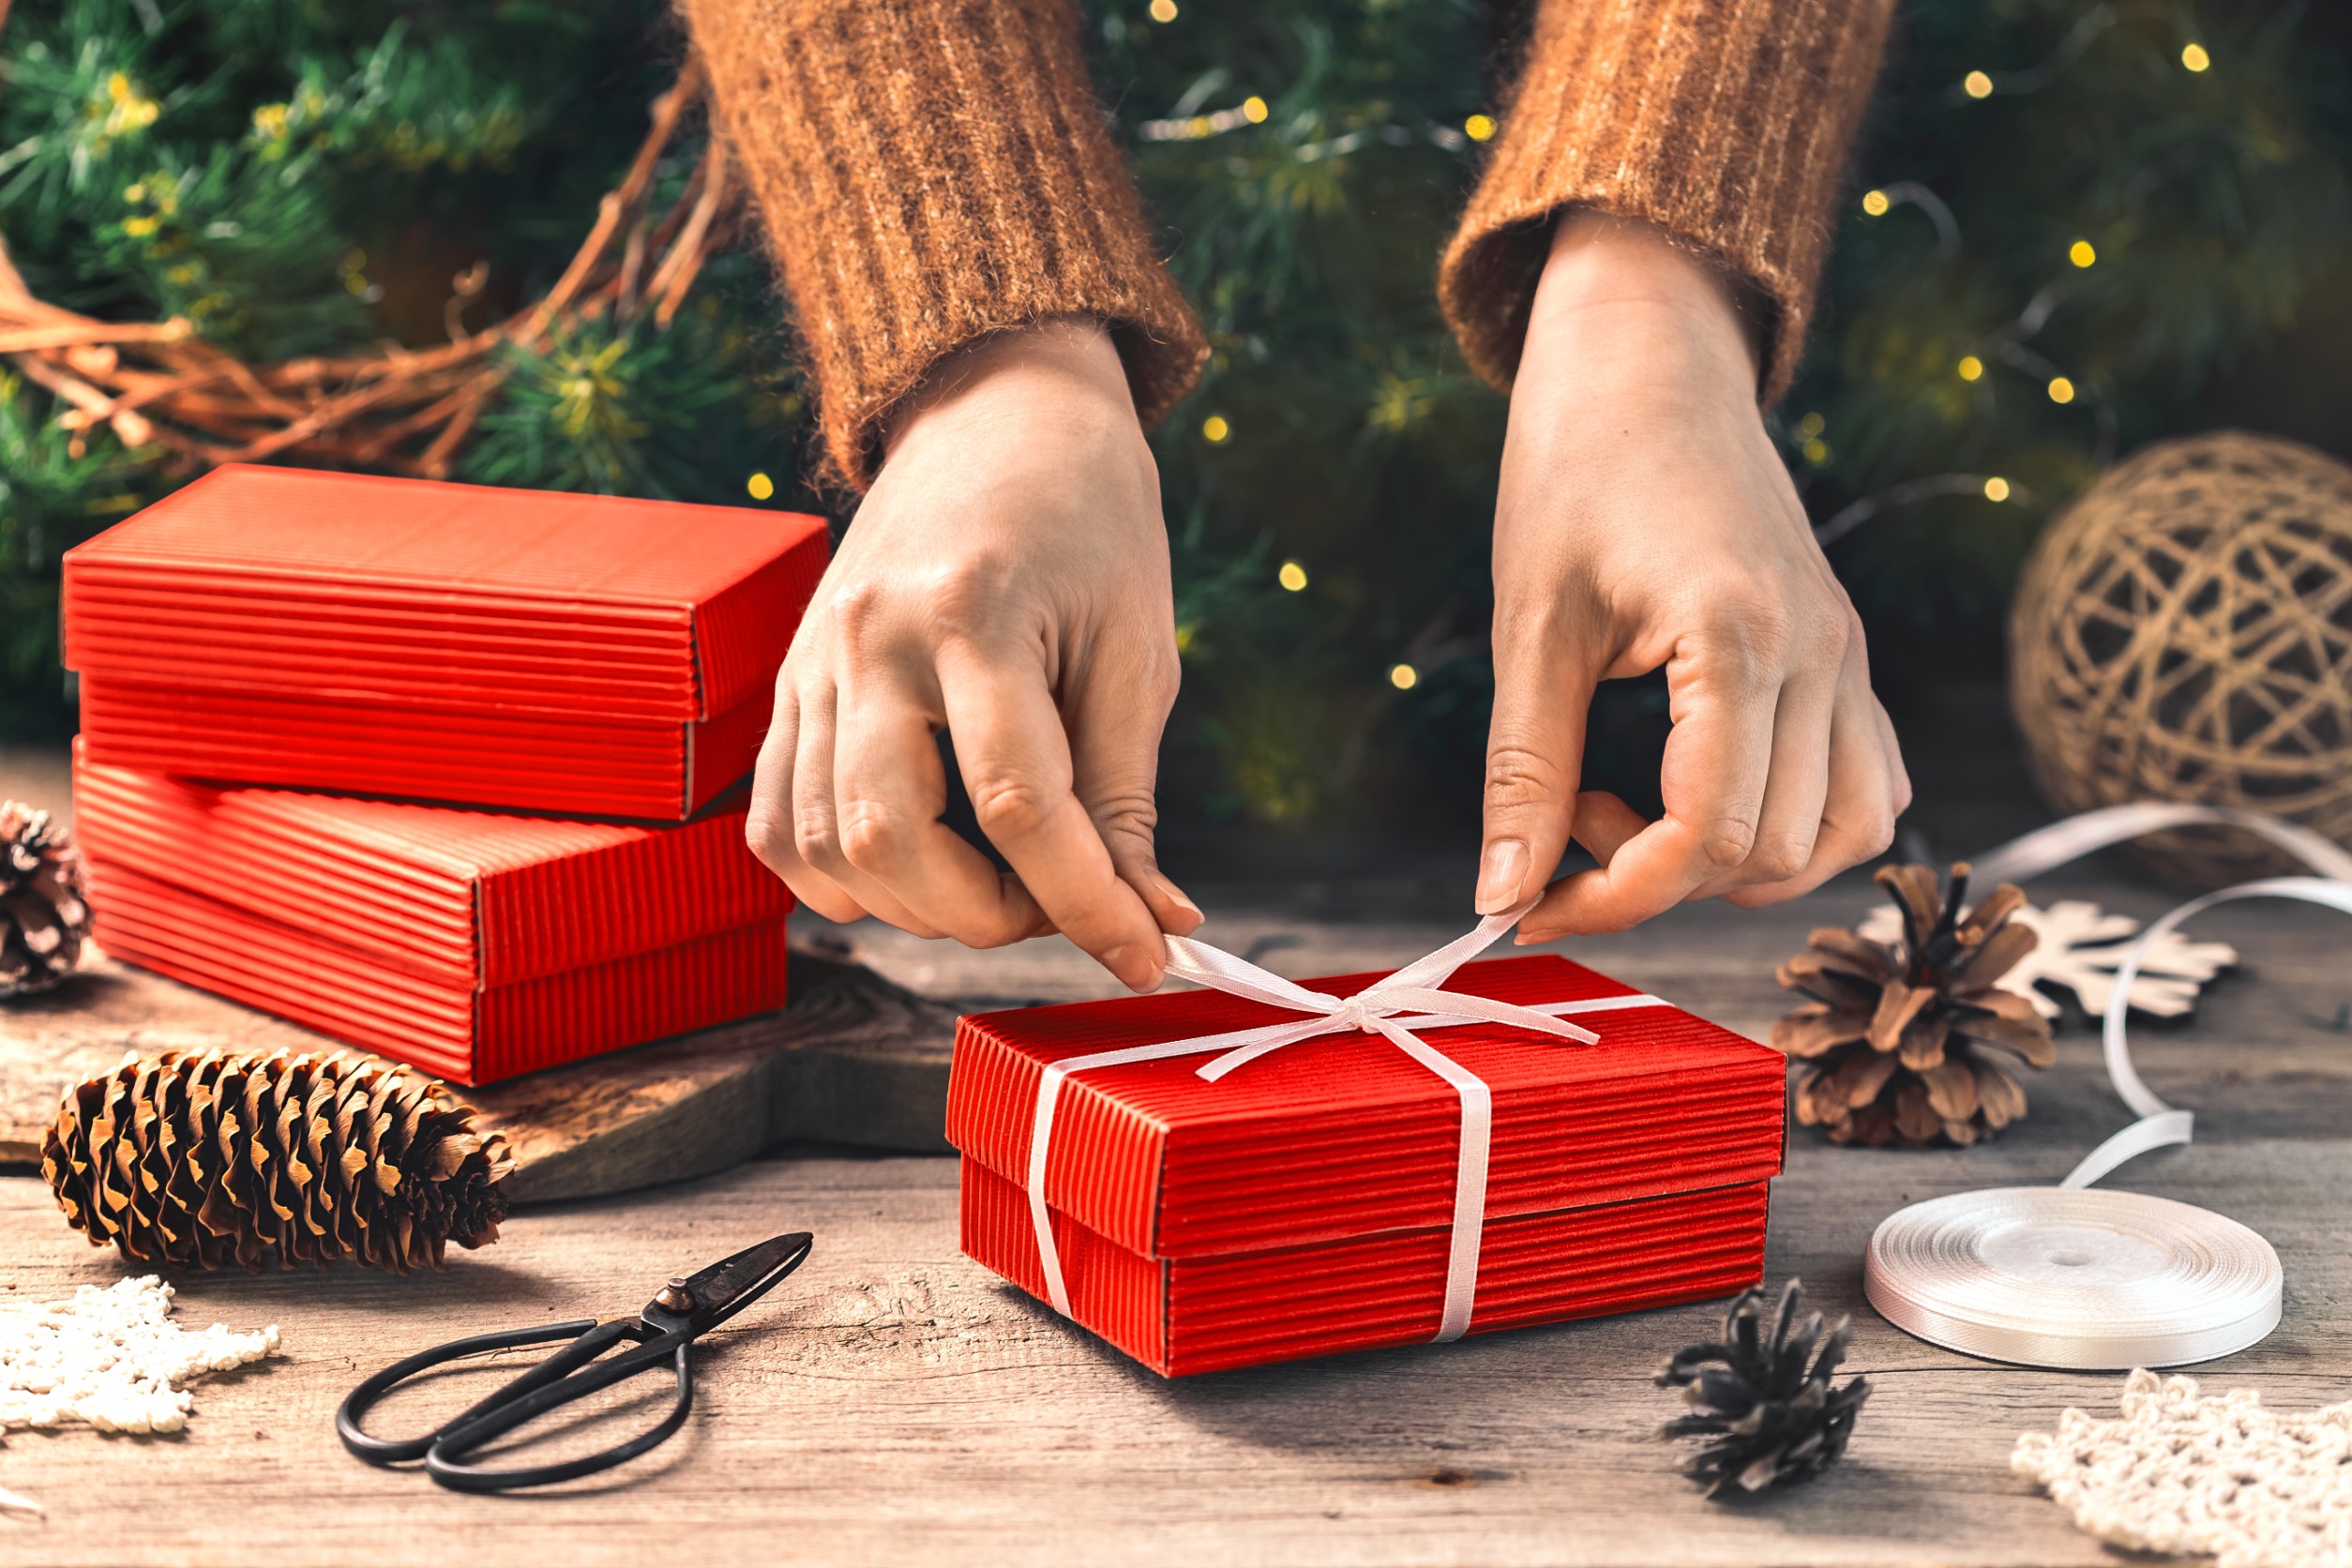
382, 1451
445, 1460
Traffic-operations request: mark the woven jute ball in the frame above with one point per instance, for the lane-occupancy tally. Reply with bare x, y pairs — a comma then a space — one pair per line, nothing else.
2184, 632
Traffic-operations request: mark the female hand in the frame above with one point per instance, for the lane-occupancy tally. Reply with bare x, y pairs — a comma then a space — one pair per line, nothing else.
1644, 519
1006, 579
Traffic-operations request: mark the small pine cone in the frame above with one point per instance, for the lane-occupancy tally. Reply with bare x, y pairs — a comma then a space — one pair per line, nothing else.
44, 918
205, 1160
1763, 1395
1902, 1043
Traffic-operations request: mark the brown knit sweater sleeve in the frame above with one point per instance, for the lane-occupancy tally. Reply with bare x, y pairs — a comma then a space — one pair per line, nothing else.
929, 171
1725, 121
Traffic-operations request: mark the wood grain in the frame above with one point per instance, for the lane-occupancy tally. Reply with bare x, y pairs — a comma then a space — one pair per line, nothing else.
893, 1402
854, 1061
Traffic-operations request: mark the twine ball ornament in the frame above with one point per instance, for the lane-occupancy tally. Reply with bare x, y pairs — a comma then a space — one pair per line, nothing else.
2184, 632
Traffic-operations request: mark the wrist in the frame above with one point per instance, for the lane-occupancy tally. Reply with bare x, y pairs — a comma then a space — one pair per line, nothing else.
1064, 370
1622, 306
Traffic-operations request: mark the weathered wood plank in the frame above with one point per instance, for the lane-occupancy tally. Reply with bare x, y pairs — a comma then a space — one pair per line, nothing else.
894, 1401
854, 1061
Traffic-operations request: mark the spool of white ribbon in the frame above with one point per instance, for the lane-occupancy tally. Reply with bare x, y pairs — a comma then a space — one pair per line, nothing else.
2084, 1278
1393, 1008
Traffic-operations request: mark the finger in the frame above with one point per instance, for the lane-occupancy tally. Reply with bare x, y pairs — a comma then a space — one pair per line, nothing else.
1017, 765
1859, 812
889, 790
1795, 789
1896, 769
768, 827
816, 823
1115, 713
1605, 823
1534, 756
1717, 759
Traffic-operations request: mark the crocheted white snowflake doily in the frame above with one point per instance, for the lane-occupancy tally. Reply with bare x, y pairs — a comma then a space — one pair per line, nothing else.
111, 1358
2081, 946
2181, 1474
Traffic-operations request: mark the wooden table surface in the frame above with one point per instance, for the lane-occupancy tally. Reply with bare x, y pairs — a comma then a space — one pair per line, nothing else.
894, 1403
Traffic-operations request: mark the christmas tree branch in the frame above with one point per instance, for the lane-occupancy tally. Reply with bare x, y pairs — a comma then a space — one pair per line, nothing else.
190, 404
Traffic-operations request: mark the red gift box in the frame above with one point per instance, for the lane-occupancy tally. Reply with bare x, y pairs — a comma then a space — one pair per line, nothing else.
475, 945
496, 647
1307, 1203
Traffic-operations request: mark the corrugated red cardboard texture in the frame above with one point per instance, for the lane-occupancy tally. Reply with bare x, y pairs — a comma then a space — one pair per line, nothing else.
475, 944
1335, 1144
1179, 1315
576, 763
558, 651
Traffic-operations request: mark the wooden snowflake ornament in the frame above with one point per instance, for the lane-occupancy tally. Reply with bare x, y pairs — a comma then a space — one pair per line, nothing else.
2079, 948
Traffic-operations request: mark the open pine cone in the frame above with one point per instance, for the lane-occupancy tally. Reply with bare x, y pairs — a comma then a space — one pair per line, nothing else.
221, 1157
1762, 1396
1897, 1038
43, 917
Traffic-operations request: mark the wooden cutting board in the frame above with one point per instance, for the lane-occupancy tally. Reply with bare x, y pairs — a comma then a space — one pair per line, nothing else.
855, 1060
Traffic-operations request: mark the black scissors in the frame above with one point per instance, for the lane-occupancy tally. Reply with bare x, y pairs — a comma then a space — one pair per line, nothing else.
664, 1332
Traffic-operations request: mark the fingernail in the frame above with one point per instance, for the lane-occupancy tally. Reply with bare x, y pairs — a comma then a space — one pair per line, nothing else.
1175, 895
1499, 873
1136, 970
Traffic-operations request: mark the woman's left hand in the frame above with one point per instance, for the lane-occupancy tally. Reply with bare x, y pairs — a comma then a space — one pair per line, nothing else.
1645, 519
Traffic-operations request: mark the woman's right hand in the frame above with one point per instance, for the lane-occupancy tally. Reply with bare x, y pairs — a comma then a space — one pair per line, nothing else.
1006, 579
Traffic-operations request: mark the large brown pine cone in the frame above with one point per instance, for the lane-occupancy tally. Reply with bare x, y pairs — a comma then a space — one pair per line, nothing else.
43, 915
219, 1158
1902, 1043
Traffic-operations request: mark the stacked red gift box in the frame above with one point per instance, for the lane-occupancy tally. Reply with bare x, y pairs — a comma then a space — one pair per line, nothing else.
446, 771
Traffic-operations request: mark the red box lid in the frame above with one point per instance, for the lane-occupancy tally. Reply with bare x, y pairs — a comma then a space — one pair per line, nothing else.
408, 590
464, 900
1344, 1135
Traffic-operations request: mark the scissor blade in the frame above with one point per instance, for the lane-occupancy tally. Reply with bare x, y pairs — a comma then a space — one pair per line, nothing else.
726, 1288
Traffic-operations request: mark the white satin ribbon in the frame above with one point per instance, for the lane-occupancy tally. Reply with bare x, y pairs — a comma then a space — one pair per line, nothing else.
2049, 848
1393, 1008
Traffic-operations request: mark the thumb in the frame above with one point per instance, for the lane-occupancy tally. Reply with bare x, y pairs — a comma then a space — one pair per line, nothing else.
1534, 756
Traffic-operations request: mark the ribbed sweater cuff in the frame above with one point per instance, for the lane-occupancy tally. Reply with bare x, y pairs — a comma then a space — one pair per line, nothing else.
1725, 122
931, 172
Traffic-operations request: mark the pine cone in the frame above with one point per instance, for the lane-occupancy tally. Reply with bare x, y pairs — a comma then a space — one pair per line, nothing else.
1765, 1396
221, 1157
43, 917
1896, 1039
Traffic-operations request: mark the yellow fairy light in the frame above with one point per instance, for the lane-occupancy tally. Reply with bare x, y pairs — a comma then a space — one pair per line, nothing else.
760, 486
1811, 426
1874, 203
1816, 451
1292, 576
2081, 253
1976, 84
1971, 367
2194, 58
1163, 10
1253, 110
1404, 677
1215, 429
1478, 128
1997, 489
2062, 390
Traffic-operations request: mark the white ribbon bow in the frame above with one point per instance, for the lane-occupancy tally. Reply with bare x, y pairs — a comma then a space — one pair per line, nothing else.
1406, 1001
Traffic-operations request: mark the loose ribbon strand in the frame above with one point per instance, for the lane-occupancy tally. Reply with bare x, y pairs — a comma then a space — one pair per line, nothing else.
1406, 1001
2159, 1125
